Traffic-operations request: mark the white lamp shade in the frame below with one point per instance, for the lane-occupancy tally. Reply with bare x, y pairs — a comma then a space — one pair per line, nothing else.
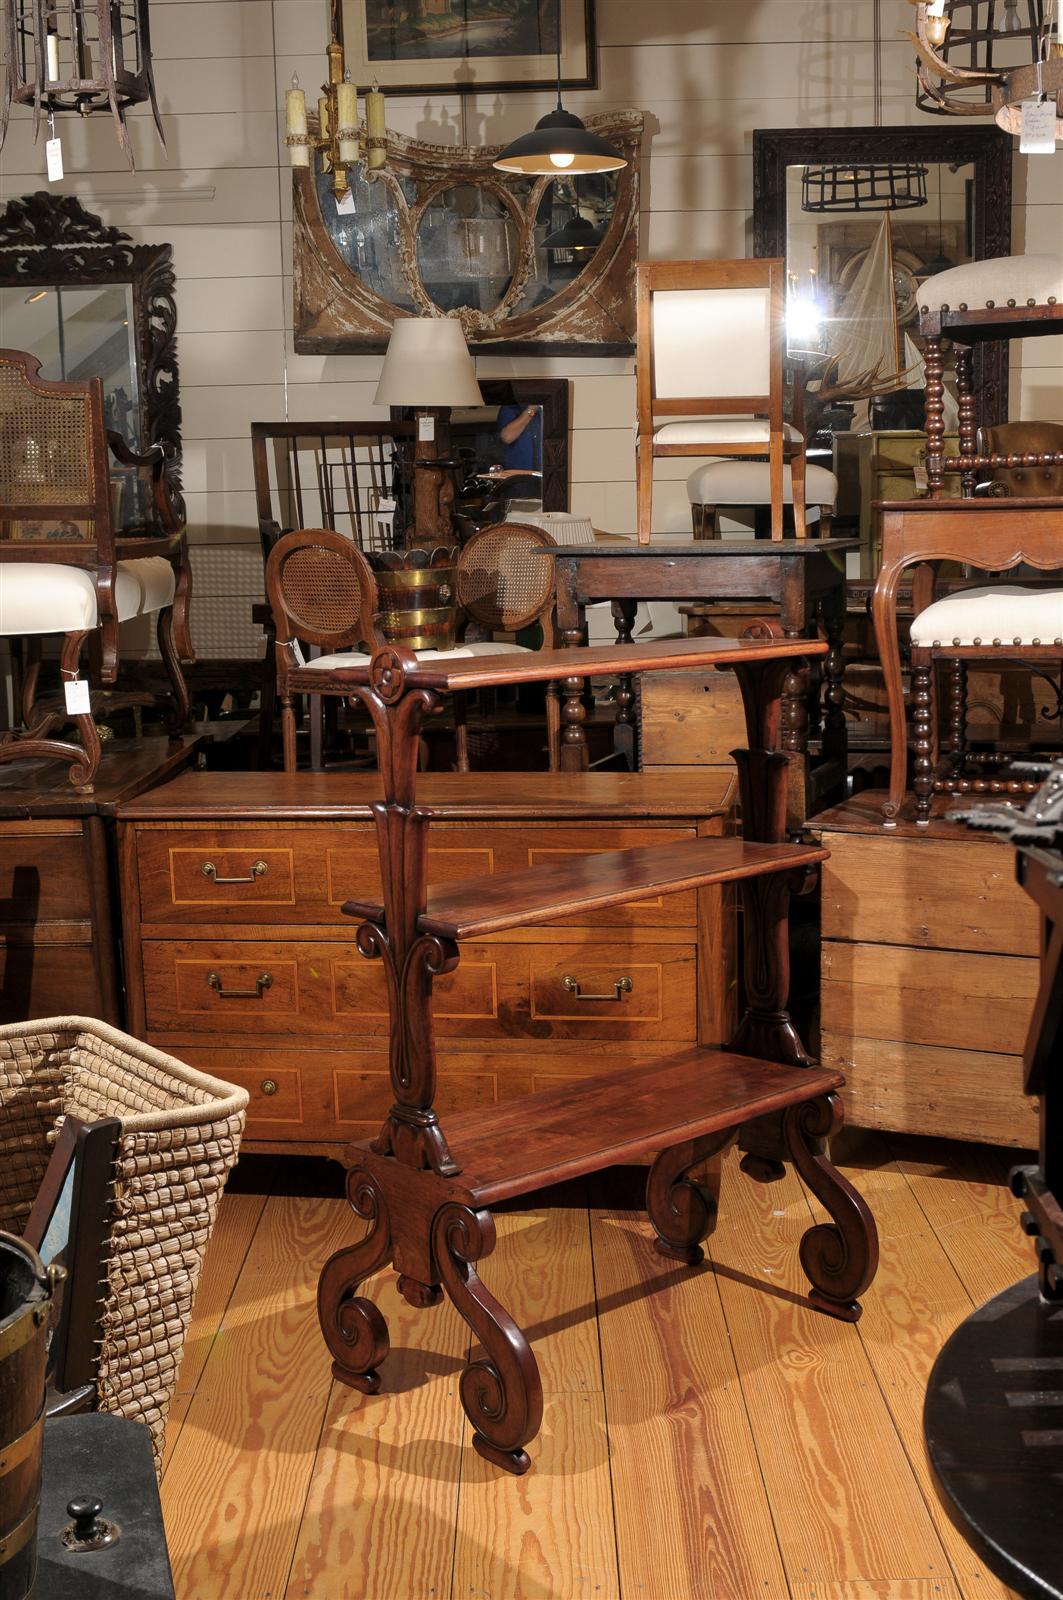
428, 364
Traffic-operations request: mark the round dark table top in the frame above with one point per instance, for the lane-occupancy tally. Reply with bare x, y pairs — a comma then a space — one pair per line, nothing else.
994, 1431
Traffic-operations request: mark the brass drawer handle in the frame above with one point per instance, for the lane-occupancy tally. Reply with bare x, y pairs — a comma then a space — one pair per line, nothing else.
620, 986
258, 870
268, 1086
263, 981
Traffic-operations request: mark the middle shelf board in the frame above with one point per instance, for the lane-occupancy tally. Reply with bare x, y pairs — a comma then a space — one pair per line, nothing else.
541, 894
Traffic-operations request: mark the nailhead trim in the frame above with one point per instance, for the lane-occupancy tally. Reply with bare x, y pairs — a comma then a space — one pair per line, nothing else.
978, 641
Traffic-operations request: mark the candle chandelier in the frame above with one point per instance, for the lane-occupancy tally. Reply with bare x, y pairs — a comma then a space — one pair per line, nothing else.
981, 55
335, 133
78, 55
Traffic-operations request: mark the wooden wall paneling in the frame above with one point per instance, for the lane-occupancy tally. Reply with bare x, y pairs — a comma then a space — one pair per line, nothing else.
954, 999
959, 1094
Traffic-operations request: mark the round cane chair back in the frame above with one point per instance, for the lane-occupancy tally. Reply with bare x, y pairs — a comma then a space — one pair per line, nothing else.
322, 590
504, 581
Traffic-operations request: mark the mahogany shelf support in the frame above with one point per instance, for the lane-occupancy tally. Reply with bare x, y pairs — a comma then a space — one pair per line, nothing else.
354, 1329
839, 1258
501, 1392
684, 1210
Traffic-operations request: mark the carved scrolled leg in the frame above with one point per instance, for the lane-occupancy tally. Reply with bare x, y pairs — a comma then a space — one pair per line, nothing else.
354, 1330
683, 1211
178, 714
839, 1258
502, 1394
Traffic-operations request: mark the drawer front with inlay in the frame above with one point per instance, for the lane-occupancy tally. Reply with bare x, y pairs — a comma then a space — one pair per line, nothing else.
303, 874
543, 991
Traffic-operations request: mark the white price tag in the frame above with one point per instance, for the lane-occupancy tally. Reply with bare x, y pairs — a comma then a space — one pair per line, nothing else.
426, 428
1037, 127
345, 207
76, 693
53, 150
936, 8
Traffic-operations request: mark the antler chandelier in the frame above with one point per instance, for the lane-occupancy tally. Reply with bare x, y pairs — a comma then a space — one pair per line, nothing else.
976, 55
78, 55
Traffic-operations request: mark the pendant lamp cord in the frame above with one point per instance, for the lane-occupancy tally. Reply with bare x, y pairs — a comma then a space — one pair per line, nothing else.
557, 37
877, 80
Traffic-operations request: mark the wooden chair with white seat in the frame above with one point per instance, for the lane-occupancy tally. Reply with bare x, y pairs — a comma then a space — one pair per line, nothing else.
711, 338
322, 591
66, 565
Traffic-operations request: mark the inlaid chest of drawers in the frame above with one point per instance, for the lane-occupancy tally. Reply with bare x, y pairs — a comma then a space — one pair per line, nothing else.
240, 960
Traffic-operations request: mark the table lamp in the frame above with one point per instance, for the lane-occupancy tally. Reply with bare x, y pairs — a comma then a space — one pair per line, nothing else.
428, 367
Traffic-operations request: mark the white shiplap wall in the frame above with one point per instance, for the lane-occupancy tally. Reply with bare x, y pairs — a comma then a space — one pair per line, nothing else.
705, 72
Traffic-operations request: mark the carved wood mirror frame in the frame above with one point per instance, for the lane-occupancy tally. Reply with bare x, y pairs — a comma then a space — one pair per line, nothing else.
986, 149
51, 240
337, 312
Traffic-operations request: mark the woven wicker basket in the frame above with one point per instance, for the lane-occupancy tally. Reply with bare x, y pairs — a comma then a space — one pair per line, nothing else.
180, 1137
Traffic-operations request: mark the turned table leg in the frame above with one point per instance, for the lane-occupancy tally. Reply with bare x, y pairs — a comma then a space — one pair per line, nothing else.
967, 428
570, 628
935, 416
624, 733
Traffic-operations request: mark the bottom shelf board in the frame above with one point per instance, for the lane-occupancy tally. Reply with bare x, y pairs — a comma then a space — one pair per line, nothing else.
615, 1117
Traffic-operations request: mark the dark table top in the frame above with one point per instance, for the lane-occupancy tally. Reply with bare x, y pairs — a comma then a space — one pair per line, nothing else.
692, 550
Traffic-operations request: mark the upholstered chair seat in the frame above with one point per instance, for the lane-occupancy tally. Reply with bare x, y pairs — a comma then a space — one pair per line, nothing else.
748, 483
722, 431
358, 658
43, 597
1001, 614
1003, 281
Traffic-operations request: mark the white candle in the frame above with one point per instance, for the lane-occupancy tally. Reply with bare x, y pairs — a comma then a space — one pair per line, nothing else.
347, 116
376, 127
52, 42
295, 121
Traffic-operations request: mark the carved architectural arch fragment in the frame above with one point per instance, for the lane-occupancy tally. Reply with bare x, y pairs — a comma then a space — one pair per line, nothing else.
588, 306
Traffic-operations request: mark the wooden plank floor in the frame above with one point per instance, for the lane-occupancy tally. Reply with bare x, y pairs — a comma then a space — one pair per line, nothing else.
706, 1436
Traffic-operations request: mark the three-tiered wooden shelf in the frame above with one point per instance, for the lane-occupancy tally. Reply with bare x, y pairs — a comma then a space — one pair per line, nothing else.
425, 1193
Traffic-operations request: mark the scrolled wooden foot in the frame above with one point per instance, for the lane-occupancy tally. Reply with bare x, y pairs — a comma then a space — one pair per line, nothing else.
684, 1211
353, 1328
502, 1394
839, 1258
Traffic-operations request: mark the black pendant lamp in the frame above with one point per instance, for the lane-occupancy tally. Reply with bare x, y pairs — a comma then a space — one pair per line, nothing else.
575, 234
559, 145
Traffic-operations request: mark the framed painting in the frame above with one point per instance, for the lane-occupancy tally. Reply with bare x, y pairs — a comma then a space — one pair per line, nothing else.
468, 46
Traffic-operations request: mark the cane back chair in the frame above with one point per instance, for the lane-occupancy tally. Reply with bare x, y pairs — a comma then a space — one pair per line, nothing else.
322, 592
64, 567
711, 338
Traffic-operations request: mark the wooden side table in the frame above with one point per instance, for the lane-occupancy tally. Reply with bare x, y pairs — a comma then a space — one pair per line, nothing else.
992, 535
426, 1192
802, 581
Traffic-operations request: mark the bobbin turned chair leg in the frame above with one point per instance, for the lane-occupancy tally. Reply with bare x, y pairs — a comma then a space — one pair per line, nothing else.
923, 730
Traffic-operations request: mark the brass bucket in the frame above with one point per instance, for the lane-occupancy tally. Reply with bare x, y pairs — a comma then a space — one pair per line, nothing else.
419, 606
25, 1304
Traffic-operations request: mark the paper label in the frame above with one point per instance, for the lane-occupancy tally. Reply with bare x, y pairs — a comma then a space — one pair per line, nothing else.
345, 207
936, 8
426, 428
53, 150
1037, 127
76, 694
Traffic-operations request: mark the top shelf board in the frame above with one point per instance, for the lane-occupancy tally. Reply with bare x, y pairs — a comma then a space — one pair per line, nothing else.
547, 666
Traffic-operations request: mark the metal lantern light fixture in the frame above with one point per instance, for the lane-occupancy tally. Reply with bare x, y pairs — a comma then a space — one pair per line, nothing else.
78, 55
979, 55
882, 186
559, 145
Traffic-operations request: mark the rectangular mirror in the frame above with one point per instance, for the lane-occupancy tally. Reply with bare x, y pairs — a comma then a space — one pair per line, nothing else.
78, 333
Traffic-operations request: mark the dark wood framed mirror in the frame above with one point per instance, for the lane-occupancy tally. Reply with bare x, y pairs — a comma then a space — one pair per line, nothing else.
89, 302
966, 213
